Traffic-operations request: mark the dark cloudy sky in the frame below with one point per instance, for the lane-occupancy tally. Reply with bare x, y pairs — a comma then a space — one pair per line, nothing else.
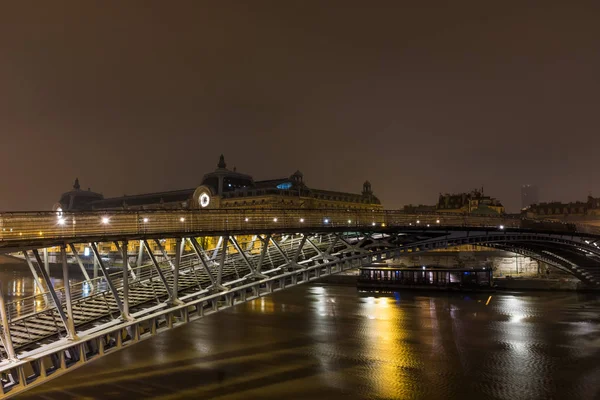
137, 96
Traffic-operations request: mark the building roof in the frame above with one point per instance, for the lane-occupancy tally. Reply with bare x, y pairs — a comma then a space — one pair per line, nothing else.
144, 199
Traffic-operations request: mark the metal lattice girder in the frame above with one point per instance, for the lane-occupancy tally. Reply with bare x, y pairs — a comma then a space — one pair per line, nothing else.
55, 299
199, 252
125, 259
158, 270
217, 247
33, 272
109, 282
79, 262
263, 252
164, 253
253, 272
281, 252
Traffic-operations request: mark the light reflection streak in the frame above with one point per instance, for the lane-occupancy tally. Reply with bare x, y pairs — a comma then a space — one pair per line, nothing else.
386, 337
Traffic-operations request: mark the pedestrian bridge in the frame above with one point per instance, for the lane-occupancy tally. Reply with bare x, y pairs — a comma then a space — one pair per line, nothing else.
251, 253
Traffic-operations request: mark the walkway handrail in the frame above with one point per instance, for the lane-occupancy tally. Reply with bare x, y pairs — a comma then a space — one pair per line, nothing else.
76, 226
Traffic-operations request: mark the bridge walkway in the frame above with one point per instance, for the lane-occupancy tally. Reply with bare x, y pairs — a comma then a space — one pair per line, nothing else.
30, 330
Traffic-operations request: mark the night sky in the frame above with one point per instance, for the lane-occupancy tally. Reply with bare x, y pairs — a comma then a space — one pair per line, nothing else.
138, 96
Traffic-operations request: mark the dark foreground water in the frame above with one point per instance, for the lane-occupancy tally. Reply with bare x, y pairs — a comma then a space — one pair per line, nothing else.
331, 342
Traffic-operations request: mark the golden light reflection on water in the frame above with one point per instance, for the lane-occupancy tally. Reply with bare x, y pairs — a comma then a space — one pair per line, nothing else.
387, 346
264, 305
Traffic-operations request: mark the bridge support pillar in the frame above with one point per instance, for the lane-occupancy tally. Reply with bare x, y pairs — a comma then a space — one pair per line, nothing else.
95, 273
175, 290
65, 267
126, 259
46, 261
125, 314
140, 257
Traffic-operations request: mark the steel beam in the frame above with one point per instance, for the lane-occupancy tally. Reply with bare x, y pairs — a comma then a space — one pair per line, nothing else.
140, 257
126, 269
216, 252
65, 269
175, 290
126, 258
55, 299
33, 272
285, 257
95, 275
110, 284
164, 253
157, 267
263, 252
81, 266
198, 252
253, 273
298, 251
222, 262
46, 261
6, 338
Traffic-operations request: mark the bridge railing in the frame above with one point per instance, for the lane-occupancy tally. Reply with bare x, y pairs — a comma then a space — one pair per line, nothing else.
85, 290
73, 226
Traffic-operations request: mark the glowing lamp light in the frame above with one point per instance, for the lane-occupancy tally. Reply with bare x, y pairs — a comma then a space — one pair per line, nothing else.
423, 267
105, 220
275, 219
383, 224
428, 225
182, 219
301, 220
61, 221
501, 226
146, 220
349, 221
373, 224
418, 222
437, 221
246, 219
326, 221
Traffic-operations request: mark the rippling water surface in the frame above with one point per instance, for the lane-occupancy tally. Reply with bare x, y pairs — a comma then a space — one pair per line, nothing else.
332, 342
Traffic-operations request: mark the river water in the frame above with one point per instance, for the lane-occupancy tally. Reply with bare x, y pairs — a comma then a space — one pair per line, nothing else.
331, 342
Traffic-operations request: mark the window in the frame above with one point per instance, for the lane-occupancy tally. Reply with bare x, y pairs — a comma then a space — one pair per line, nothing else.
285, 185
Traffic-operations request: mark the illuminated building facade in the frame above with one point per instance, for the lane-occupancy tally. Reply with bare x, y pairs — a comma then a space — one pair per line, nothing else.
224, 188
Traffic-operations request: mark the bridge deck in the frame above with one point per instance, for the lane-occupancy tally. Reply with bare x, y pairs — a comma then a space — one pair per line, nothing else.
43, 324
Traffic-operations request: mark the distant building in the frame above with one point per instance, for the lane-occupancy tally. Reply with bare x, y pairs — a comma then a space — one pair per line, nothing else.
559, 210
529, 195
224, 188
474, 202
